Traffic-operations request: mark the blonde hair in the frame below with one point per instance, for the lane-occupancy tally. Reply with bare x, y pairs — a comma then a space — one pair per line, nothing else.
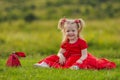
61, 25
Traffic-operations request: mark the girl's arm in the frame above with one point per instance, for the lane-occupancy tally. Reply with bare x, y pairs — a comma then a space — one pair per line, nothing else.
61, 51
61, 56
83, 56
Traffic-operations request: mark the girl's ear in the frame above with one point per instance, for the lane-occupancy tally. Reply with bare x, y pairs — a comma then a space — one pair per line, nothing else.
61, 23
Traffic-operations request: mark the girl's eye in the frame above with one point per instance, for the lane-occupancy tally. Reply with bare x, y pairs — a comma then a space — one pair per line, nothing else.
73, 30
68, 31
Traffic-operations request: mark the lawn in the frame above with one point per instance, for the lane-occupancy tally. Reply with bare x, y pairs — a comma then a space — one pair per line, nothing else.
29, 72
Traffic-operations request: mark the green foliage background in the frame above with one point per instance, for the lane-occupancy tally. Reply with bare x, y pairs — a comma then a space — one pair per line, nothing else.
31, 25
30, 10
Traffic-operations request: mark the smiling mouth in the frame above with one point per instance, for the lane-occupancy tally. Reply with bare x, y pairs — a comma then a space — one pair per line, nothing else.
71, 35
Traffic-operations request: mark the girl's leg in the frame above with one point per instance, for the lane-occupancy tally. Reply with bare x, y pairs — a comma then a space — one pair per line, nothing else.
93, 62
51, 61
42, 64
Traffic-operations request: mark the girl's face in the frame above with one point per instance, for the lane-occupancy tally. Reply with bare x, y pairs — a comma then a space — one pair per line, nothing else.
71, 31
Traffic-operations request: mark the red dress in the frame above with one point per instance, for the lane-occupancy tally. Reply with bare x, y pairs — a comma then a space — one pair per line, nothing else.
73, 53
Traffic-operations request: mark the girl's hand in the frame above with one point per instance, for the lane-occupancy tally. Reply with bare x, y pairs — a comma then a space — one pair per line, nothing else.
61, 58
83, 56
79, 61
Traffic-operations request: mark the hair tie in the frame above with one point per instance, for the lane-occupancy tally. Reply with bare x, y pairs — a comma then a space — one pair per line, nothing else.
63, 21
77, 21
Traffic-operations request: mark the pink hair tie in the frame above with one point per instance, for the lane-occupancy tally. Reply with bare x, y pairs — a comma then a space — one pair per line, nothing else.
77, 21
63, 21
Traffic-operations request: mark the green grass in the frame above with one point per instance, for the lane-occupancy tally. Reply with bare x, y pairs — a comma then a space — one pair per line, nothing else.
28, 72
39, 39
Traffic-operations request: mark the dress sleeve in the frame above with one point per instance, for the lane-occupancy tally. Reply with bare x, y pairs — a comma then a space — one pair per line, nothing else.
83, 44
62, 45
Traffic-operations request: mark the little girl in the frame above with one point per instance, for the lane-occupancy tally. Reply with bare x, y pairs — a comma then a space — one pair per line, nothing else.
73, 50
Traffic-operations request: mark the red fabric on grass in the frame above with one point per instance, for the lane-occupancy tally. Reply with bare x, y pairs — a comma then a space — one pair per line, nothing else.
13, 61
20, 54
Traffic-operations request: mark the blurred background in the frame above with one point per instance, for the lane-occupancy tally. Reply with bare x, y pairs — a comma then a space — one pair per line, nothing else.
30, 10
31, 25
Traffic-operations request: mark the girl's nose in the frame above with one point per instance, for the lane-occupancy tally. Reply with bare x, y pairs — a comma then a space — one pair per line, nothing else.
71, 32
